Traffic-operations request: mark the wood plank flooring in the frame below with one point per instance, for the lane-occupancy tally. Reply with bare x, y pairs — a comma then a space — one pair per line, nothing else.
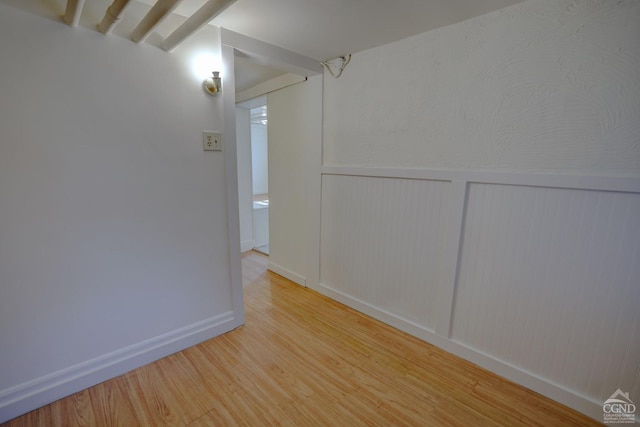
305, 360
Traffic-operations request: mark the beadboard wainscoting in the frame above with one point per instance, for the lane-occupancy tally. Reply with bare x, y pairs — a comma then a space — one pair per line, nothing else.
533, 276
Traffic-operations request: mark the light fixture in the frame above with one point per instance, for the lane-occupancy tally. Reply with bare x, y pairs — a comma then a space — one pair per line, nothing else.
331, 65
213, 85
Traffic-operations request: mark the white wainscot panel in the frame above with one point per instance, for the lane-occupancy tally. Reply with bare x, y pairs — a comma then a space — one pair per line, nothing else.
549, 282
380, 240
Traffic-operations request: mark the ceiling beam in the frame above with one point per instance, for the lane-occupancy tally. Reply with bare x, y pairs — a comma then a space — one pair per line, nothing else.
271, 55
206, 13
112, 16
158, 12
277, 83
74, 10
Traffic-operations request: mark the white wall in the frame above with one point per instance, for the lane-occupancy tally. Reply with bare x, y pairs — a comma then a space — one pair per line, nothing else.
260, 158
295, 126
481, 189
543, 86
114, 247
245, 195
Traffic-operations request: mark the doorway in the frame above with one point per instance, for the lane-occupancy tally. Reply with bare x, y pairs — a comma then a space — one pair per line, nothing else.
253, 174
294, 146
260, 177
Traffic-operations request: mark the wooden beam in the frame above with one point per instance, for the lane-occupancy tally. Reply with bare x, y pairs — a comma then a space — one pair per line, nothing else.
112, 16
74, 10
206, 13
156, 15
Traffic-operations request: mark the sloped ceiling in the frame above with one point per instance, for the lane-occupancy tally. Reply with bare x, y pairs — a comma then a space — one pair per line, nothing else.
325, 29
319, 29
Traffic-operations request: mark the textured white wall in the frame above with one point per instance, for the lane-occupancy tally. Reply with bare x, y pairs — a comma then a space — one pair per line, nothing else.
542, 86
295, 125
113, 221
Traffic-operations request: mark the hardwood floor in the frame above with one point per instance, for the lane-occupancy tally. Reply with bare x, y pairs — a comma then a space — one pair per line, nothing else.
305, 360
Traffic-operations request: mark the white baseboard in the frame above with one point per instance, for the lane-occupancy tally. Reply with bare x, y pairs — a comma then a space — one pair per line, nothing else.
31, 395
247, 245
531, 381
294, 277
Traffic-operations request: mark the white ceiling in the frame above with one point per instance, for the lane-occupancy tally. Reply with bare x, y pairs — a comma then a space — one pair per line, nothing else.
326, 29
319, 29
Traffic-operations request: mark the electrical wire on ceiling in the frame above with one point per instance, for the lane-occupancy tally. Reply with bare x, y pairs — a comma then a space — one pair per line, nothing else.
336, 69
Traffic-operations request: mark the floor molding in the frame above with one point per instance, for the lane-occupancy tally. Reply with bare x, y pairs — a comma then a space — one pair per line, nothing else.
41, 391
294, 277
540, 385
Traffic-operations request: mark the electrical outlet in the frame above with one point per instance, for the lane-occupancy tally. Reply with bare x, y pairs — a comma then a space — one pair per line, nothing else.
212, 141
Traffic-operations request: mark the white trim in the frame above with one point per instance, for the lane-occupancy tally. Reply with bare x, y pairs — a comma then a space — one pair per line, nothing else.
29, 395
579, 182
231, 179
461, 182
271, 55
451, 258
540, 385
264, 88
287, 274
314, 201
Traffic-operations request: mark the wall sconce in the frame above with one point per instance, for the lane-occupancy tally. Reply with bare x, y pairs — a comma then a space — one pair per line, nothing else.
213, 85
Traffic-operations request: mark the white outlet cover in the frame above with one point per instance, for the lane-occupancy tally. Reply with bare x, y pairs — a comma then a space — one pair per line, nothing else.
211, 141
